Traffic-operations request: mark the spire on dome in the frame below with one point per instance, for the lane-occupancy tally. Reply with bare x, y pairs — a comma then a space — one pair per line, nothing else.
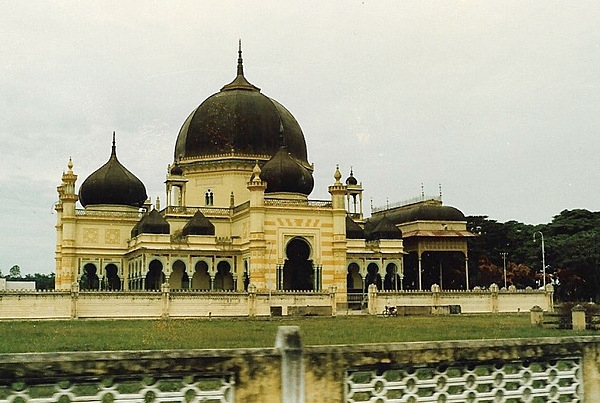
114, 146
240, 66
240, 82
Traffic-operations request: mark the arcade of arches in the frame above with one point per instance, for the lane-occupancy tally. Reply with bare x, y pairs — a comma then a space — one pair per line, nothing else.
201, 279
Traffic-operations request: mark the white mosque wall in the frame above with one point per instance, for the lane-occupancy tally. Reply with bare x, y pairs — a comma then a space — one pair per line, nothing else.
180, 304
490, 300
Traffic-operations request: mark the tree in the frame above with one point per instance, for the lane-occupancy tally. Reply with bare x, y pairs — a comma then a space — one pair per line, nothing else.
579, 258
15, 272
489, 273
519, 275
42, 281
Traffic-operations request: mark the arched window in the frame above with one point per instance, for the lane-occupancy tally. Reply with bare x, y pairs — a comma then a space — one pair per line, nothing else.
89, 279
209, 197
155, 276
113, 281
201, 278
223, 277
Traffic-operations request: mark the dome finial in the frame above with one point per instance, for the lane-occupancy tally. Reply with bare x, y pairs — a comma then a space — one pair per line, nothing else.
114, 146
337, 175
240, 82
240, 66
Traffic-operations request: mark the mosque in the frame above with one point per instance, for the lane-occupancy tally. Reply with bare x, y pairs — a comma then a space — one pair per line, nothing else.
238, 212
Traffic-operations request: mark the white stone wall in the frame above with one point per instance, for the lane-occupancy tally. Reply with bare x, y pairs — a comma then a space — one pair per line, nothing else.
146, 305
37, 305
476, 301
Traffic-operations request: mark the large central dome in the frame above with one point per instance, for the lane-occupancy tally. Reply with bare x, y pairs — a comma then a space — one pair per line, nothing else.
240, 120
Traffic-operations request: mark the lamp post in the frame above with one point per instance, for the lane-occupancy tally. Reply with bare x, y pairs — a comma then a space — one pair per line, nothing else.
504, 254
543, 258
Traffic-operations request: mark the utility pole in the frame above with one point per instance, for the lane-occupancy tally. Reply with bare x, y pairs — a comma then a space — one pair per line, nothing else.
504, 254
543, 258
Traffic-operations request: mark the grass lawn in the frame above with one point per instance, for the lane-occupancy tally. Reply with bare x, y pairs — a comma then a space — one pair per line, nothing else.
94, 335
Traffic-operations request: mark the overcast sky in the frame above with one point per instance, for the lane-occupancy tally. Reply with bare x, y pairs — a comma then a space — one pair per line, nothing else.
497, 101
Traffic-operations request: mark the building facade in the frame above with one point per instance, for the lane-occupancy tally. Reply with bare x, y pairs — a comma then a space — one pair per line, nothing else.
237, 213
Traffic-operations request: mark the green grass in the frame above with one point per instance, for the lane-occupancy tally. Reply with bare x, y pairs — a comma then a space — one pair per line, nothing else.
95, 335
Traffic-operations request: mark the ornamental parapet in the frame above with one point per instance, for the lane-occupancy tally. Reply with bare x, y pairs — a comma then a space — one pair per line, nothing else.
190, 211
108, 213
298, 203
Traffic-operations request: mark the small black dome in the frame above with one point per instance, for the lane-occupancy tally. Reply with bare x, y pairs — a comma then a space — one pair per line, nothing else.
241, 120
384, 229
351, 180
176, 170
198, 225
283, 173
151, 223
113, 184
353, 230
426, 212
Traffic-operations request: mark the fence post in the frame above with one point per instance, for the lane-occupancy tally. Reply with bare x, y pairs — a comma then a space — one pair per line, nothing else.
537, 316
372, 299
578, 317
292, 369
166, 290
549, 292
494, 297
435, 298
74, 298
252, 300
333, 297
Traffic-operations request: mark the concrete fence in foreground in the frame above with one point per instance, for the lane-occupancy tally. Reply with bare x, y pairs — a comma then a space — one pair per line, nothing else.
542, 369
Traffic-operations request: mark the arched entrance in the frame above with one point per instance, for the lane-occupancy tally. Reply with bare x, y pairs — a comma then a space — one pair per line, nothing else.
354, 287
201, 278
392, 280
298, 269
178, 278
223, 278
354, 282
113, 281
155, 276
89, 278
373, 276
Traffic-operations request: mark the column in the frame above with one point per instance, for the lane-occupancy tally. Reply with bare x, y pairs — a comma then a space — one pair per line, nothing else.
467, 271
420, 274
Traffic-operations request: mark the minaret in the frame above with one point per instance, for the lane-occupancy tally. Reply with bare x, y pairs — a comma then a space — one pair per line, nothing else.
337, 270
258, 266
65, 230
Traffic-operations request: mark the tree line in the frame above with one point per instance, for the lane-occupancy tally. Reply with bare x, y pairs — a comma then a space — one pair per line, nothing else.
571, 254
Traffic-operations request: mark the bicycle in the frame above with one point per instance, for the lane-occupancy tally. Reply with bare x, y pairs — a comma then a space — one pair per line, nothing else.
390, 311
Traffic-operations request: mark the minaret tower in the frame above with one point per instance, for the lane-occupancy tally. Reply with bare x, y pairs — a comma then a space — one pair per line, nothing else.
339, 247
258, 264
65, 230
354, 197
